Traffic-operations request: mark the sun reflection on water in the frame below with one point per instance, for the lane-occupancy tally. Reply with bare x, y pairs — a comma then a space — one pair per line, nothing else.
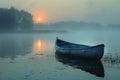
39, 46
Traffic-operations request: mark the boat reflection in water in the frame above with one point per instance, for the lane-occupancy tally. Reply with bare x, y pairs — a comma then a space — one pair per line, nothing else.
93, 67
39, 46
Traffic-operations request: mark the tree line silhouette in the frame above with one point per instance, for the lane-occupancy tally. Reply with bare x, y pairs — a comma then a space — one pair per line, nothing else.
13, 19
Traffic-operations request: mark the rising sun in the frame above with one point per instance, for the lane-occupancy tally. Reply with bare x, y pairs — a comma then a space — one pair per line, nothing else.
39, 19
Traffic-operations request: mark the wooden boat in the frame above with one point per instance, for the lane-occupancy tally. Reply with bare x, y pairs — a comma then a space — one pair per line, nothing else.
79, 51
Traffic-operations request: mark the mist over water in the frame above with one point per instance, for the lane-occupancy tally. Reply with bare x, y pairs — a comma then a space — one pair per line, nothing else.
28, 56
28, 31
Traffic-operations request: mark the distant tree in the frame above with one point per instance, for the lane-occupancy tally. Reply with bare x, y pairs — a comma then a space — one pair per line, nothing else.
26, 20
13, 19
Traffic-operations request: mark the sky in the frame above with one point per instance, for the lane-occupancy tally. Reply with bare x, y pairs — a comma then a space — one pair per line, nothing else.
101, 11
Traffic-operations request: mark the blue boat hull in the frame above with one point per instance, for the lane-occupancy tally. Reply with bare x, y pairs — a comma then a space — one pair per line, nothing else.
77, 50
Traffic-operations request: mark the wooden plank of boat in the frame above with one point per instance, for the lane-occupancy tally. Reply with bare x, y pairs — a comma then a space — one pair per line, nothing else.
78, 50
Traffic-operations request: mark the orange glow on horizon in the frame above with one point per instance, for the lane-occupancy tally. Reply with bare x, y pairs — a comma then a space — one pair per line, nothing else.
39, 18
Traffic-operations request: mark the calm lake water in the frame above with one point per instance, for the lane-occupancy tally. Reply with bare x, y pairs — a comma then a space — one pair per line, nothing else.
32, 56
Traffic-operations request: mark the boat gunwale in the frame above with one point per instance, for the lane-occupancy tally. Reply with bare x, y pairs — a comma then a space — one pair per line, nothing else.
78, 45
